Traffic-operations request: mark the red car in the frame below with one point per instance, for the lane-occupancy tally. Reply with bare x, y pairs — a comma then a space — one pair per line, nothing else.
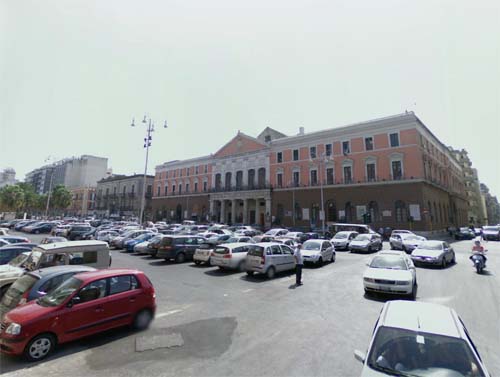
86, 304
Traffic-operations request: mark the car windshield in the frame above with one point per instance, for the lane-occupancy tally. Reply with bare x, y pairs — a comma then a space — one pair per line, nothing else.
390, 262
340, 236
256, 251
430, 246
32, 261
494, 228
362, 237
17, 261
411, 238
232, 240
464, 229
312, 246
61, 293
409, 353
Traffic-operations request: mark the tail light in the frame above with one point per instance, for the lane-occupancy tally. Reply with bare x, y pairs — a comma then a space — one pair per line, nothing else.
165, 248
263, 259
227, 256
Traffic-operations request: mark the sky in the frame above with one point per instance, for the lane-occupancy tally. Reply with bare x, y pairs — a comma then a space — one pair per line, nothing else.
73, 74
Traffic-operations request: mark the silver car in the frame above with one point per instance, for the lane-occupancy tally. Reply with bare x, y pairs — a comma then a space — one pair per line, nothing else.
318, 252
231, 256
438, 253
406, 242
366, 242
269, 258
341, 240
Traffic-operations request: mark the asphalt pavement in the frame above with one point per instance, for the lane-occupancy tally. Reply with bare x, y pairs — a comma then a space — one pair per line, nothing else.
228, 324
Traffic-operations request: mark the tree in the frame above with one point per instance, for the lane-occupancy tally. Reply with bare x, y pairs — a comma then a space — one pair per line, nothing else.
61, 197
11, 198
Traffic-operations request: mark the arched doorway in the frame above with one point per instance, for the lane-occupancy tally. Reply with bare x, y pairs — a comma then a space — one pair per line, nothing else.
350, 212
178, 212
373, 211
331, 211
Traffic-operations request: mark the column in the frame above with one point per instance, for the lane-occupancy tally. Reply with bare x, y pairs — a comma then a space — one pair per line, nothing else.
223, 211
245, 211
257, 212
233, 211
268, 210
211, 208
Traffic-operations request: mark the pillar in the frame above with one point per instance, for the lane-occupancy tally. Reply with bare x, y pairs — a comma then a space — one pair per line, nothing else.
223, 211
268, 219
245, 211
233, 211
257, 211
211, 208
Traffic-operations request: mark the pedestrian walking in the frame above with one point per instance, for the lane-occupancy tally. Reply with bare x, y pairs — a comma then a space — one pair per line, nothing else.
299, 261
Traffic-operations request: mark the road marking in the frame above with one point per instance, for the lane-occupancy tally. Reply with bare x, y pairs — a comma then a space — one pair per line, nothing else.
247, 290
170, 312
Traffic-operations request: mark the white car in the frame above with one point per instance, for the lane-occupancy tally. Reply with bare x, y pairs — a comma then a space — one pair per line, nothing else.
276, 232
406, 242
318, 252
4, 232
420, 339
341, 240
203, 253
397, 232
236, 239
390, 273
438, 253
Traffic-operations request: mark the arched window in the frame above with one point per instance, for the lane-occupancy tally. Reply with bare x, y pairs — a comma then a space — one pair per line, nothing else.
331, 211
227, 183
280, 213
349, 212
400, 211
298, 211
373, 211
218, 181
436, 214
251, 178
239, 179
261, 177
314, 213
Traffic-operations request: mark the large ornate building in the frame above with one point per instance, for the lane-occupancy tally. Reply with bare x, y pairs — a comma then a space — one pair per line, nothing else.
387, 172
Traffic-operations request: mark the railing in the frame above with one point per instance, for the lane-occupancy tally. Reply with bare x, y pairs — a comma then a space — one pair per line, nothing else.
265, 186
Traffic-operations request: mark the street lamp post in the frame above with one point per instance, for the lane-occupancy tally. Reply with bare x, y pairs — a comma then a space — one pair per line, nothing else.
147, 143
50, 188
323, 159
293, 185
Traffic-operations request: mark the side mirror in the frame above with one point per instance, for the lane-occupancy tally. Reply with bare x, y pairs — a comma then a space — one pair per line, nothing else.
360, 356
75, 300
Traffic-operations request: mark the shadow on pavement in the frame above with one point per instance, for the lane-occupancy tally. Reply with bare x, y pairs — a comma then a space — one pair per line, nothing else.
383, 297
201, 265
261, 278
221, 272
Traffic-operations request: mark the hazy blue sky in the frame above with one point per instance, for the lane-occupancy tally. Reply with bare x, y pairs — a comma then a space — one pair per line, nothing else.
74, 73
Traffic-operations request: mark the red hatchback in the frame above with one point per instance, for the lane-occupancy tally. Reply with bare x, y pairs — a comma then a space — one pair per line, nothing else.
86, 304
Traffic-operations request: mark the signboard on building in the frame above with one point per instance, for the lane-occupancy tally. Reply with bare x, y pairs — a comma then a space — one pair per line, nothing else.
360, 211
415, 212
305, 213
288, 213
387, 213
341, 214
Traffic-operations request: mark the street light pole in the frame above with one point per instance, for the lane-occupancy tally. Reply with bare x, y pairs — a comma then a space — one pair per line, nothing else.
322, 161
293, 201
50, 189
147, 144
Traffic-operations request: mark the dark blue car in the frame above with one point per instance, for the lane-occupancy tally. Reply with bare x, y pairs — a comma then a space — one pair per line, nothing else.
37, 283
7, 253
42, 228
129, 245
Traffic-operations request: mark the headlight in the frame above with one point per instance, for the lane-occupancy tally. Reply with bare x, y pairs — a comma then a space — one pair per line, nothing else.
369, 280
13, 329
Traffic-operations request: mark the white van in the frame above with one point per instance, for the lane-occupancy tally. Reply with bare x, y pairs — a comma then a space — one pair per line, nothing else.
89, 253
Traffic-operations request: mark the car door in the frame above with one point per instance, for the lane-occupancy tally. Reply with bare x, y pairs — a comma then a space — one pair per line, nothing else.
411, 268
276, 258
87, 316
326, 252
123, 300
288, 258
448, 251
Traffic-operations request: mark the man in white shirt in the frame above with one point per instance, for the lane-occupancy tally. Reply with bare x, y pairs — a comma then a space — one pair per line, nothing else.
299, 260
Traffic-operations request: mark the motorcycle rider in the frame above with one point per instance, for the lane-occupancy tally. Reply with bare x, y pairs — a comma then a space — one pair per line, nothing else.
478, 249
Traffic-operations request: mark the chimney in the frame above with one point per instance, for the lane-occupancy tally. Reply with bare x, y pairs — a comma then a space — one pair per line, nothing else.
301, 130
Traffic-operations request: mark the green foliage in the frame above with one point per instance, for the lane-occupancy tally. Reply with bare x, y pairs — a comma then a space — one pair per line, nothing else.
61, 197
11, 198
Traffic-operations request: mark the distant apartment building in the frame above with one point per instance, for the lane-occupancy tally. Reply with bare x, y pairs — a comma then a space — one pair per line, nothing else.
119, 196
83, 202
73, 172
491, 204
391, 172
476, 212
7, 177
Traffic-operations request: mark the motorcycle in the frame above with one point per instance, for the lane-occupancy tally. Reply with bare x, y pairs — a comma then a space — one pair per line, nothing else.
479, 261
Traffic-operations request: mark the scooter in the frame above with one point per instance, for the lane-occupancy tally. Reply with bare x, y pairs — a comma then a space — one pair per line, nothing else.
479, 261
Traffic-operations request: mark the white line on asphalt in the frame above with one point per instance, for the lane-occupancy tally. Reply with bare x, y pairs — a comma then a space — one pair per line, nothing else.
170, 312
247, 290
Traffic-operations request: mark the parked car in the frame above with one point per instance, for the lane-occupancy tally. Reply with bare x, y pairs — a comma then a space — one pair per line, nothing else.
464, 233
236, 239
9, 252
77, 232
419, 338
203, 253
341, 240
268, 258
406, 242
61, 230
106, 235
318, 252
491, 233
112, 298
276, 232
366, 242
231, 256
4, 243
14, 239
391, 273
179, 248
130, 244
43, 227
154, 243
36, 284
20, 225
264, 238
285, 240
434, 253
118, 242
91, 253
52, 239
13, 223
4, 231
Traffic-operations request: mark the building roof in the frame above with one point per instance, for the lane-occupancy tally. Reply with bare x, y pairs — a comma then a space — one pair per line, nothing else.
120, 177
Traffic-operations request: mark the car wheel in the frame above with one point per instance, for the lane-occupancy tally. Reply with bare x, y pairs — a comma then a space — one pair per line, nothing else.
143, 319
392, 246
271, 272
242, 266
197, 262
180, 258
369, 249
39, 347
208, 262
37, 232
443, 263
414, 292
453, 260
250, 273
320, 262
332, 259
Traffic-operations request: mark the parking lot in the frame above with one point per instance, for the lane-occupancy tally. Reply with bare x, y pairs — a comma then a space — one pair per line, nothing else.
230, 324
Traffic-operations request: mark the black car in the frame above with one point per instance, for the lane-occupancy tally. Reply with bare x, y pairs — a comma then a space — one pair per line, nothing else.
7, 253
77, 232
464, 233
42, 228
179, 248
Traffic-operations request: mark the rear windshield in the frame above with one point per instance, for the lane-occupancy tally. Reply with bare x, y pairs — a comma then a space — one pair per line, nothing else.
166, 241
257, 251
340, 235
20, 287
80, 228
494, 228
221, 250
206, 246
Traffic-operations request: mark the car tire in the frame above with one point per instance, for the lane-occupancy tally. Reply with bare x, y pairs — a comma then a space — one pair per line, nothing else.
40, 347
320, 262
413, 294
443, 263
37, 232
250, 273
142, 319
208, 262
180, 258
270, 273
332, 259
242, 266
197, 262
454, 259
392, 246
